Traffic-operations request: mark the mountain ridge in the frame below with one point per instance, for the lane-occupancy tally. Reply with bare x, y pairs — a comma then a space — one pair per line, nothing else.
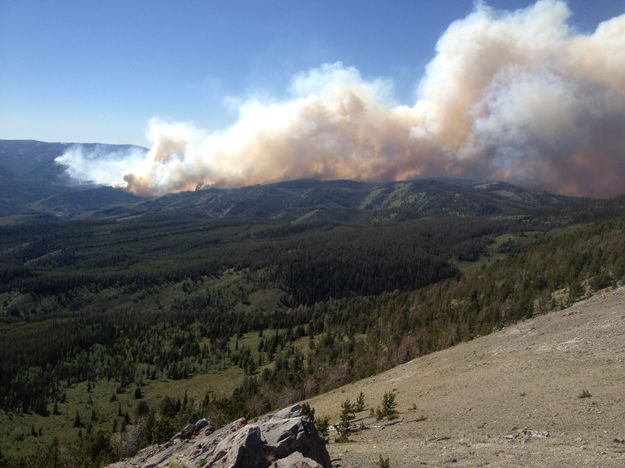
33, 183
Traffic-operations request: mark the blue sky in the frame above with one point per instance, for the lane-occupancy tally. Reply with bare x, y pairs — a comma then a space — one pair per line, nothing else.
98, 71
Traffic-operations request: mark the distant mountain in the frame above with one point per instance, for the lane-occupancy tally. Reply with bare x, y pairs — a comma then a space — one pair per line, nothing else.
34, 160
311, 199
22, 156
32, 183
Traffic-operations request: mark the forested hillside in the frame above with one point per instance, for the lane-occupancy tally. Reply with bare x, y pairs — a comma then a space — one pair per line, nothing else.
115, 332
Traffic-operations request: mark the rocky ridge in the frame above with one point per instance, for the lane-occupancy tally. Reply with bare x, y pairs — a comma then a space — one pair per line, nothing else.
287, 438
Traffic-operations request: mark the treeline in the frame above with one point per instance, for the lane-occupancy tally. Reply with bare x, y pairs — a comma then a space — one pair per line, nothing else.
46, 284
334, 273
340, 261
79, 254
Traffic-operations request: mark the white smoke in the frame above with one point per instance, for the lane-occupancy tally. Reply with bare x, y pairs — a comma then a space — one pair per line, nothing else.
102, 167
517, 96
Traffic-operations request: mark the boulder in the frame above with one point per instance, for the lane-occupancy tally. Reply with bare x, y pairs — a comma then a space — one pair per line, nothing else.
243, 448
289, 431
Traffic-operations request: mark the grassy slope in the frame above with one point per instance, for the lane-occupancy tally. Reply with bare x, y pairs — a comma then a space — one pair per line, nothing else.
471, 403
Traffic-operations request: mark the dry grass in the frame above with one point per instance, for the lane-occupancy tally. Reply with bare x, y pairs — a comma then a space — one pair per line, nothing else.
506, 399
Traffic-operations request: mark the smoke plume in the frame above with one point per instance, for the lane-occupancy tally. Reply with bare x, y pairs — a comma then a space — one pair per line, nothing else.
517, 96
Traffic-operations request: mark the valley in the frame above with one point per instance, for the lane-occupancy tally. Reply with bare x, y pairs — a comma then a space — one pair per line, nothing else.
123, 320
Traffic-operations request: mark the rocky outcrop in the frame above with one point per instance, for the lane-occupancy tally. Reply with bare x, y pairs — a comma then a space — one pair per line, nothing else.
287, 438
287, 432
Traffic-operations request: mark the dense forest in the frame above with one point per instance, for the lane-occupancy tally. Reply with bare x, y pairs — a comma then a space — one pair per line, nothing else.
114, 334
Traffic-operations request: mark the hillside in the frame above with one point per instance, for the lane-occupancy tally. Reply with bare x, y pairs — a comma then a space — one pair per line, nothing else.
32, 183
309, 200
35, 159
508, 399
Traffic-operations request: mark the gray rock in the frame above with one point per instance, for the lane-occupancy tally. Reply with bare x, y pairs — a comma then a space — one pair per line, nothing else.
192, 429
244, 448
295, 460
288, 431
294, 411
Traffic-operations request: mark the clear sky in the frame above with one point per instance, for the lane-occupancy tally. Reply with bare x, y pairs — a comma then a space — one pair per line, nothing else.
99, 70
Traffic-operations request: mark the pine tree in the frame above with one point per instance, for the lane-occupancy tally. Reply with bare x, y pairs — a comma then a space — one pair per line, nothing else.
77, 421
389, 407
347, 414
360, 402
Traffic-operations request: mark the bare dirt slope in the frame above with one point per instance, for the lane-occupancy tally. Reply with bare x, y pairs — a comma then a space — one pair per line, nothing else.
508, 399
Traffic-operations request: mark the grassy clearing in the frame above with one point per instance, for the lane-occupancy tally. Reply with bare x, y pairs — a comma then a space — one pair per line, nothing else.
500, 247
16, 435
15, 432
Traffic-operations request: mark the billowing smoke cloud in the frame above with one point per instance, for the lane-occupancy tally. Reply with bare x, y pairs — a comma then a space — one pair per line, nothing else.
517, 96
100, 165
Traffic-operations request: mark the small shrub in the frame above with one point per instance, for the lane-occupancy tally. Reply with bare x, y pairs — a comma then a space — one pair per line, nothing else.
347, 414
308, 411
383, 462
584, 394
360, 403
323, 426
388, 409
